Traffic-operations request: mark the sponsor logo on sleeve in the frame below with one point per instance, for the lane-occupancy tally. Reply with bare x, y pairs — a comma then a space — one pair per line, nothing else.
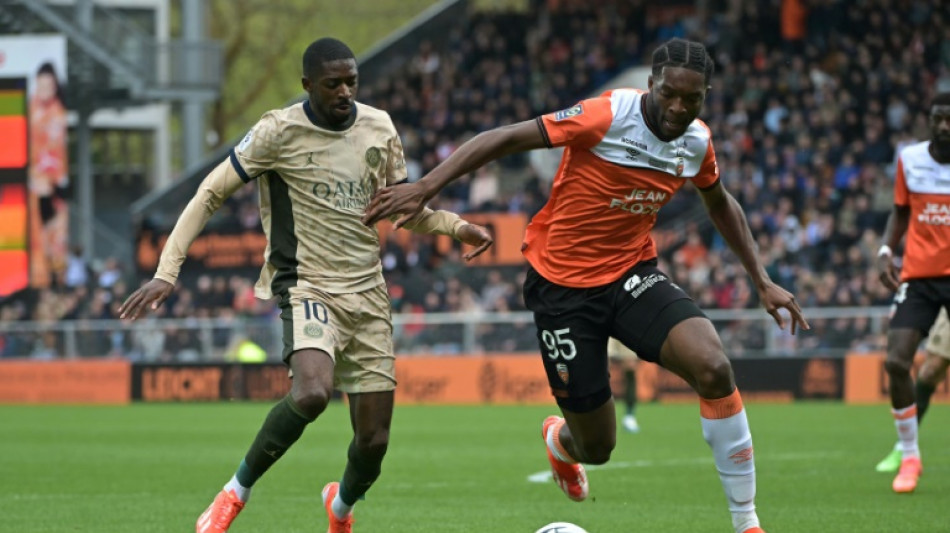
569, 112
245, 142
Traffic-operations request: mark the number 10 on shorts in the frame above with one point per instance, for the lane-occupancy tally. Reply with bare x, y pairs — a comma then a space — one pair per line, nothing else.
315, 310
558, 344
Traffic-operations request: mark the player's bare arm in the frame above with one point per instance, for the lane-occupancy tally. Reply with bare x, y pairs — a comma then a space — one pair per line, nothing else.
409, 199
726, 214
896, 227
213, 191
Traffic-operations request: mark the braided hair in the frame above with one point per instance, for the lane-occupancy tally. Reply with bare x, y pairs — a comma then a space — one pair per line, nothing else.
683, 54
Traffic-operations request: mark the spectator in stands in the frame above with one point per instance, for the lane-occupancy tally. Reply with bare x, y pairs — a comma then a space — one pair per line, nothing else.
814, 81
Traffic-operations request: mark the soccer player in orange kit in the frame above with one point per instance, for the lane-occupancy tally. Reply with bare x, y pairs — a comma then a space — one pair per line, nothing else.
593, 271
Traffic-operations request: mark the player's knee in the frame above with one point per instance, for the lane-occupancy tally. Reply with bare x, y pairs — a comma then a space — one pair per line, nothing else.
371, 446
897, 366
933, 370
714, 378
375, 443
311, 400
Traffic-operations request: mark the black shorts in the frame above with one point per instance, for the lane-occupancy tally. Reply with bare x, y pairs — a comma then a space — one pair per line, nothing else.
573, 325
918, 301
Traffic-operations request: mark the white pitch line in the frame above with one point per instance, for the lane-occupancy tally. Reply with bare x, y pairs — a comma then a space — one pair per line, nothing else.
545, 476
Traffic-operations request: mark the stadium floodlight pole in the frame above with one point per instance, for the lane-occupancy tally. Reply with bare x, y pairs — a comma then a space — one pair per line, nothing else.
193, 108
84, 140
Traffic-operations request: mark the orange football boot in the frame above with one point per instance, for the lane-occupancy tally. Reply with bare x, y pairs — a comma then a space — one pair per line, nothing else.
218, 516
336, 525
572, 478
907, 476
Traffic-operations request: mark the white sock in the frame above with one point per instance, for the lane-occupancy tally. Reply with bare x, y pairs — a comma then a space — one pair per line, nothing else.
906, 421
243, 493
340, 509
731, 443
553, 441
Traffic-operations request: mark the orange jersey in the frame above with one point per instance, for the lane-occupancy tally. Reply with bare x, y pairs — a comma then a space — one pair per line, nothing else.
923, 185
614, 177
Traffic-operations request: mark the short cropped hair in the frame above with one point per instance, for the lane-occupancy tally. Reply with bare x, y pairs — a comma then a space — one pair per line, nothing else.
941, 99
684, 54
322, 51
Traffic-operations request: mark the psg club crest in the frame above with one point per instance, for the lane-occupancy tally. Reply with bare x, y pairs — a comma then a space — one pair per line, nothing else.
563, 373
373, 156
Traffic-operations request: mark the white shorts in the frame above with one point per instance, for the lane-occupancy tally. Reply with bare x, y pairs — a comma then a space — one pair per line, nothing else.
616, 350
938, 342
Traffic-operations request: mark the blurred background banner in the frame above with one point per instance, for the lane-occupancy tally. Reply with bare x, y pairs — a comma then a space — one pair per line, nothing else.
234, 249
89, 381
808, 111
433, 379
34, 177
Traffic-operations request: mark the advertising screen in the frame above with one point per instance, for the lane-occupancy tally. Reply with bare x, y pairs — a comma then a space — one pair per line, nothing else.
14, 156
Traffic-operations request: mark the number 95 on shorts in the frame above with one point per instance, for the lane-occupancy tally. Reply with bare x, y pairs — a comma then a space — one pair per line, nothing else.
574, 351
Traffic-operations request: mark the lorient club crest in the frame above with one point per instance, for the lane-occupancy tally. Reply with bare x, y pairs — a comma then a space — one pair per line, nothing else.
563, 373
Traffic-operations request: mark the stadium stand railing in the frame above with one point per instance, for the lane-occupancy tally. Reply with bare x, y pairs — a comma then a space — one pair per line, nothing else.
745, 333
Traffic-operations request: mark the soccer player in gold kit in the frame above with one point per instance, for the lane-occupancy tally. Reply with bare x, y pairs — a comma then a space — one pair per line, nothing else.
317, 164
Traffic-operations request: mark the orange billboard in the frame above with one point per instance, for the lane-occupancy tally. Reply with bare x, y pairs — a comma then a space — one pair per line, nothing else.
866, 381
506, 228
476, 379
96, 381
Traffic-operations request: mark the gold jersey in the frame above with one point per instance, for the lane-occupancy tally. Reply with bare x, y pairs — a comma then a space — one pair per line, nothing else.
314, 187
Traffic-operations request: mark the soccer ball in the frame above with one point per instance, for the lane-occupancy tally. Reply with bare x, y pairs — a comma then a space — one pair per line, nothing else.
561, 527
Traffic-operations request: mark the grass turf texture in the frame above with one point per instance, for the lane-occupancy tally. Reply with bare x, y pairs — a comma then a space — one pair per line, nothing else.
153, 468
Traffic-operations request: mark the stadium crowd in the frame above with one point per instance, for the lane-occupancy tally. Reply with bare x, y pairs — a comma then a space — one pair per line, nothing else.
809, 105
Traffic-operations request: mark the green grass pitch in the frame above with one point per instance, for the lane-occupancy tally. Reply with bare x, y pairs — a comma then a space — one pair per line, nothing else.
153, 468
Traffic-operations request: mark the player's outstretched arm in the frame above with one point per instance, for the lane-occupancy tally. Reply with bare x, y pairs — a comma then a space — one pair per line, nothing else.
147, 298
213, 191
726, 214
896, 227
447, 223
409, 199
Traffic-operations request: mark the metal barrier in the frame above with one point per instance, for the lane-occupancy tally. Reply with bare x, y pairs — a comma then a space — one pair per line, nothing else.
744, 332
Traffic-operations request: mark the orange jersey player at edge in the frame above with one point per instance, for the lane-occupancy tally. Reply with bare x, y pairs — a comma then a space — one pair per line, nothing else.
593, 271
922, 212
